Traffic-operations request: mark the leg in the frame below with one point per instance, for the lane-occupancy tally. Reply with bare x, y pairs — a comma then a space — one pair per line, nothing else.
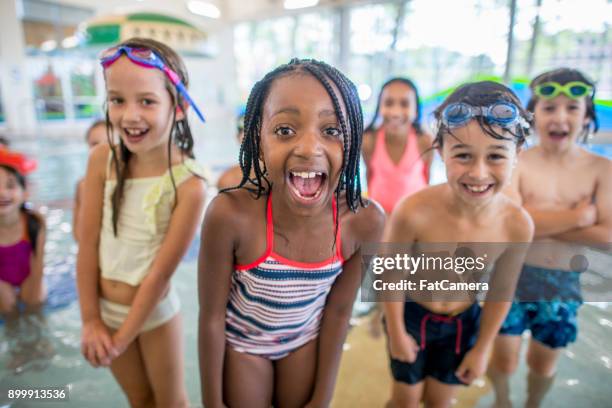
406, 395
542, 362
248, 380
162, 352
129, 371
503, 363
8, 299
438, 394
294, 376
10, 315
33, 291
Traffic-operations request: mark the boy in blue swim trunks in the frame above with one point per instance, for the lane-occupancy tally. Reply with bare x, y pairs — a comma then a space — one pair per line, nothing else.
568, 193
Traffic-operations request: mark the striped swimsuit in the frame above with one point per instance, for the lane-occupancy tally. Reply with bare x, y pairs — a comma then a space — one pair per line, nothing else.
276, 305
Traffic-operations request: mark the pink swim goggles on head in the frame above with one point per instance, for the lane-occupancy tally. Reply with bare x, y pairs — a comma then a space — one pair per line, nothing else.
148, 59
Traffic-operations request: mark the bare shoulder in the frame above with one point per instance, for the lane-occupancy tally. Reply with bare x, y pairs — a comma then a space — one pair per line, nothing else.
419, 207
194, 188
367, 223
601, 164
517, 222
230, 178
98, 159
233, 210
425, 140
368, 143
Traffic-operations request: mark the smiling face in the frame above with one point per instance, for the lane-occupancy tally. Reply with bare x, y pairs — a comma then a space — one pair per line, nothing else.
12, 194
398, 107
478, 166
139, 105
301, 140
559, 121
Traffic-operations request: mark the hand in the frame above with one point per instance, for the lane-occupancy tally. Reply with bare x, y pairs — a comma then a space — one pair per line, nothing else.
119, 343
472, 366
586, 212
403, 347
96, 344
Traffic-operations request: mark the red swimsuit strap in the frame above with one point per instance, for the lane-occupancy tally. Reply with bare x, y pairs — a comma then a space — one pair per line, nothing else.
270, 229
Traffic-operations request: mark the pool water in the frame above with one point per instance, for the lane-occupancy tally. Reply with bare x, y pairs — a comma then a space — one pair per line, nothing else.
584, 377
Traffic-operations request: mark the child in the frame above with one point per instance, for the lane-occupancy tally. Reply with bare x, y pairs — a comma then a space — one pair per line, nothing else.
4, 143
435, 346
280, 256
232, 176
568, 192
141, 203
398, 152
22, 245
95, 135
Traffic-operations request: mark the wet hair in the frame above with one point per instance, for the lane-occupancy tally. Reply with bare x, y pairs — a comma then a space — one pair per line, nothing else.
33, 220
95, 124
341, 91
416, 124
563, 76
180, 132
484, 93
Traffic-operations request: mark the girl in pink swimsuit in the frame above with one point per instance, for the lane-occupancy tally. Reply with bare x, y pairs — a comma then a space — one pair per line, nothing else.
397, 153
397, 150
22, 239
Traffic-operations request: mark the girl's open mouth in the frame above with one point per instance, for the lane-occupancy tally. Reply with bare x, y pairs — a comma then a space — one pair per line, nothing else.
134, 135
558, 135
307, 185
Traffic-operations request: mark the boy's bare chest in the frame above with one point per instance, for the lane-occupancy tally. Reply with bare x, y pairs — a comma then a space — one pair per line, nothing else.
552, 186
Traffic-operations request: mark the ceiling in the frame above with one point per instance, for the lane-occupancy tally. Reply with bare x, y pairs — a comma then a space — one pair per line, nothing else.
231, 10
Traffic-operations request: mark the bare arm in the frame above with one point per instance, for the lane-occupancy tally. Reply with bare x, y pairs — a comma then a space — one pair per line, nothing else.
547, 222
215, 267
182, 229
367, 150
427, 152
32, 287
89, 231
338, 309
399, 230
76, 209
499, 297
96, 343
600, 233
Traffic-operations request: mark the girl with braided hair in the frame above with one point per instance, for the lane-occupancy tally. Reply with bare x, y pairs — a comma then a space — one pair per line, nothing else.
280, 256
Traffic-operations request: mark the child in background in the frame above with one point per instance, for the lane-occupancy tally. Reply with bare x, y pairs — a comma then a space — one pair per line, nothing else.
4, 143
280, 261
142, 200
568, 192
436, 345
232, 176
397, 152
95, 135
22, 247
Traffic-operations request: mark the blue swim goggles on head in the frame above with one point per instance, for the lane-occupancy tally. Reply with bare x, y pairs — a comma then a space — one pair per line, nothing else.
148, 59
502, 114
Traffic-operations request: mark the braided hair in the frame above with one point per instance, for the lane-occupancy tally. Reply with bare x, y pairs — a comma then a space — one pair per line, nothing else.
563, 76
351, 127
416, 124
180, 133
